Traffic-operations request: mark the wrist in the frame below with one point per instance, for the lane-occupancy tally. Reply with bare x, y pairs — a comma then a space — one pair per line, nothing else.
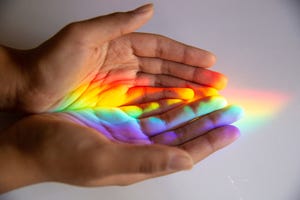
16, 169
11, 78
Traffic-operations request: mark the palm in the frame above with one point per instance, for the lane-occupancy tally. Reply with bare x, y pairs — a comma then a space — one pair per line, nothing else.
142, 123
64, 65
116, 80
85, 157
68, 161
71, 151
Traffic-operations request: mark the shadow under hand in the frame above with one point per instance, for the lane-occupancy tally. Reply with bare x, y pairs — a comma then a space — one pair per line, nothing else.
7, 119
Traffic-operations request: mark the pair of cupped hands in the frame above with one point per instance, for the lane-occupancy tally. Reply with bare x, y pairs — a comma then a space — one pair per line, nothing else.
108, 106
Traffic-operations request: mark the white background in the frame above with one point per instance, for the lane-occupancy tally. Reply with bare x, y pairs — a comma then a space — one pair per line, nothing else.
258, 47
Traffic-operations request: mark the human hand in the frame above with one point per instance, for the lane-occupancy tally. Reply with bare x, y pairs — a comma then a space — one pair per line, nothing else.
105, 49
61, 147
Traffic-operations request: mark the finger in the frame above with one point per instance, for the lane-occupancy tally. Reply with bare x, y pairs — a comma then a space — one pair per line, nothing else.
138, 95
214, 140
151, 108
157, 46
121, 95
199, 126
144, 79
127, 179
179, 116
142, 159
108, 27
183, 71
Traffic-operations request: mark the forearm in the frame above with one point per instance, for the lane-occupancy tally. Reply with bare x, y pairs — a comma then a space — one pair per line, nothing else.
11, 78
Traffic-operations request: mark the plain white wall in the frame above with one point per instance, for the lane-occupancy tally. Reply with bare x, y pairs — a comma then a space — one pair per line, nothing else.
258, 47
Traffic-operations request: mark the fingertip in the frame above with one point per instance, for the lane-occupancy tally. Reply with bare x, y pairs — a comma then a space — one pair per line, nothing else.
225, 135
212, 59
147, 8
222, 82
219, 101
236, 111
178, 162
209, 59
211, 92
205, 92
186, 93
216, 80
214, 140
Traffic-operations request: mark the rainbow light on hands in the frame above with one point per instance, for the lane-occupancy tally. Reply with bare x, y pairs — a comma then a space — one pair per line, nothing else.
131, 114
96, 94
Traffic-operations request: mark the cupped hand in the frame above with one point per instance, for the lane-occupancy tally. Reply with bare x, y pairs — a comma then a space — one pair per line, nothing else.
105, 50
142, 123
62, 147
103, 79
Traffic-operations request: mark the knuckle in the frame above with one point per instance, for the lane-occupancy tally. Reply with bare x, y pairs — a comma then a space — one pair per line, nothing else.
210, 143
74, 27
75, 31
119, 18
182, 136
151, 166
213, 119
147, 168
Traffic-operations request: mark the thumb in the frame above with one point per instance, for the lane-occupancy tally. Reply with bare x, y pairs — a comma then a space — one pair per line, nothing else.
143, 159
108, 27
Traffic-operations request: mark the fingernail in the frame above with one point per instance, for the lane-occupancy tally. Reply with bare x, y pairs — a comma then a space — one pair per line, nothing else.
143, 9
180, 162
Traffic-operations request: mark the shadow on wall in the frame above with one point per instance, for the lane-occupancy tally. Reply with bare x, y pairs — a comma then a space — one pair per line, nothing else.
295, 7
296, 3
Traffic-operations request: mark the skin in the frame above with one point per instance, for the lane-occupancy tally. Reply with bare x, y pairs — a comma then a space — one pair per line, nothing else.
40, 78
55, 147
61, 147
